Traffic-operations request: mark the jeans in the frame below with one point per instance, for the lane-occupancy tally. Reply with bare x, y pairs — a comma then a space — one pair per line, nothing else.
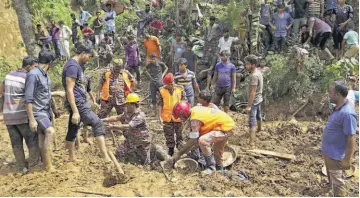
56, 44
255, 115
297, 23
154, 90
189, 92
135, 71
279, 43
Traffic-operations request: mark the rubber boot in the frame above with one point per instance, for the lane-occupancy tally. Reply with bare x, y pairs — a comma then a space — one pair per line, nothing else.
171, 152
210, 165
34, 156
20, 158
252, 138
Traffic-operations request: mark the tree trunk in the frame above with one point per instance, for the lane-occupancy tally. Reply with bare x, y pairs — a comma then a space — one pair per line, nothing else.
25, 25
177, 12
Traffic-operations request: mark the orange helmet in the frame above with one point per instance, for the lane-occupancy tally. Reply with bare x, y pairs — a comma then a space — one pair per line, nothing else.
181, 109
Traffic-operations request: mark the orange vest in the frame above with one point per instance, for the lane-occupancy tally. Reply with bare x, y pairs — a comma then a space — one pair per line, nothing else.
212, 119
169, 102
128, 85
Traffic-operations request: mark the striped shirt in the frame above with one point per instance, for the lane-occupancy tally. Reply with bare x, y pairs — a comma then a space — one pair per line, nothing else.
187, 80
14, 106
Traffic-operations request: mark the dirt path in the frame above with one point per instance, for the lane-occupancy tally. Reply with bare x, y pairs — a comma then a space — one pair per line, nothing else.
268, 176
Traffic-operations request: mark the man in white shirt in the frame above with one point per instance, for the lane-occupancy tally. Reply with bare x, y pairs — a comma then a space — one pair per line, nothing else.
225, 42
65, 34
110, 19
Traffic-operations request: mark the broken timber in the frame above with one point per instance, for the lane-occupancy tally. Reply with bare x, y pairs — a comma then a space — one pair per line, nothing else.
273, 153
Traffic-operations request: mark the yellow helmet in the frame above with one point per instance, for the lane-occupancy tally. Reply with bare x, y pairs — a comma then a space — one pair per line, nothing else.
132, 98
117, 61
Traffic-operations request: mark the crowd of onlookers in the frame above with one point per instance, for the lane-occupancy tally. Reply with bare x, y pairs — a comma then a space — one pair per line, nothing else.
312, 21
58, 35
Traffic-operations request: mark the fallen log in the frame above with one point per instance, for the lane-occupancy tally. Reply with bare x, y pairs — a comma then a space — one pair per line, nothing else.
273, 153
92, 193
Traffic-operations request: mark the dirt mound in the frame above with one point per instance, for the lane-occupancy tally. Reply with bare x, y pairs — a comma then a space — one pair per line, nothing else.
268, 176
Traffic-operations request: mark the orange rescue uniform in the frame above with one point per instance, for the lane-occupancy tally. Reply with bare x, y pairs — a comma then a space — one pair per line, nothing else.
212, 119
169, 101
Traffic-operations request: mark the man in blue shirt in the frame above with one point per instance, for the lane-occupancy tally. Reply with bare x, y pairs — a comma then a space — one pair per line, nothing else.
77, 102
339, 141
38, 104
225, 80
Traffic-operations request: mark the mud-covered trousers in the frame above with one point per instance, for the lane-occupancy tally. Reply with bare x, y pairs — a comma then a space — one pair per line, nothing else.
17, 134
172, 132
106, 107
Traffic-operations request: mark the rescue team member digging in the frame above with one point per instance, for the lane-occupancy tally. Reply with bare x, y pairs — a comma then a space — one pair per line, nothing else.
38, 104
15, 117
77, 102
114, 86
209, 127
169, 95
137, 144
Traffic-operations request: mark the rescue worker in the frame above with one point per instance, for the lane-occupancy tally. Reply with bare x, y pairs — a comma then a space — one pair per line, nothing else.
169, 95
114, 86
137, 144
209, 128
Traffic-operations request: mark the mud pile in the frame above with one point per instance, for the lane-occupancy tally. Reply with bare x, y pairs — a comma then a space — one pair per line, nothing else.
268, 176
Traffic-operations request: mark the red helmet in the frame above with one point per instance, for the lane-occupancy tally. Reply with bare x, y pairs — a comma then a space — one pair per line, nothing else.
181, 108
168, 79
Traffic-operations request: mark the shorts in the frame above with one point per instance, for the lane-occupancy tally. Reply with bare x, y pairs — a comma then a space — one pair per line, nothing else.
44, 120
353, 51
111, 29
87, 117
221, 92
338, 37
321, 38
255, 115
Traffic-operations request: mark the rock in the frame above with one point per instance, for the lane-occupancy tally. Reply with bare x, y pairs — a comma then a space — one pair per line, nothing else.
229, 194
178, 194
295, 176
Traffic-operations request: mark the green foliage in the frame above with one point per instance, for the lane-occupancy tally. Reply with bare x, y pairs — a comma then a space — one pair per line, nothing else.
55, 74
5, 67
339, 70
43, 11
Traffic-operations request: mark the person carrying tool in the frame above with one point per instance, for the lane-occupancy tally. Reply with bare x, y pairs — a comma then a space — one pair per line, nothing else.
114, 85
210, 127
169, 95
137, 144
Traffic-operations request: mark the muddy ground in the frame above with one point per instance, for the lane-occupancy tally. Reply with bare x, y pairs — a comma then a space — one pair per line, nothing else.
269, 176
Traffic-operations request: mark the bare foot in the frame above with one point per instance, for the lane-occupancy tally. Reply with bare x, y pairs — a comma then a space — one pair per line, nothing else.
49, 168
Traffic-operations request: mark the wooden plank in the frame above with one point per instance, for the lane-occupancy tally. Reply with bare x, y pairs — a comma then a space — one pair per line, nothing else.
273, 153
